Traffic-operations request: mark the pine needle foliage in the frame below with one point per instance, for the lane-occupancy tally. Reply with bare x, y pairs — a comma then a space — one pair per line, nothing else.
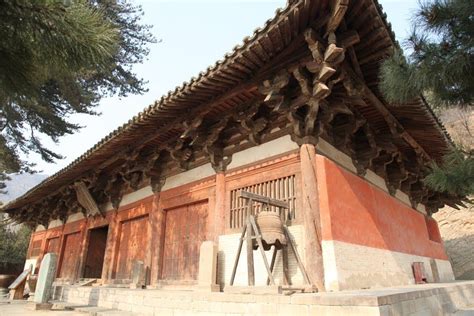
439, 64
441, 56
455, 175
59, 58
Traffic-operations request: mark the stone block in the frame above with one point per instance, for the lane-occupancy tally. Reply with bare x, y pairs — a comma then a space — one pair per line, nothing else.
238, 308
138, 275
288, 309
46, 276
143, 310
41, 306
208, 288
271, 289
208, 267
163, 311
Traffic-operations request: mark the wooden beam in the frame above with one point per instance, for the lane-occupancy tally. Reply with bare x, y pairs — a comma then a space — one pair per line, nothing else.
348, 39
85, 199
262, 199
338, 9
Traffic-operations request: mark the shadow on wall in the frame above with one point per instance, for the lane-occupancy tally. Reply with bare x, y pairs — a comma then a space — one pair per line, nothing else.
461, 254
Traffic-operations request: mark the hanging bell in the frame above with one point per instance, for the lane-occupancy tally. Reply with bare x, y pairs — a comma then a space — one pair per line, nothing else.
271, 228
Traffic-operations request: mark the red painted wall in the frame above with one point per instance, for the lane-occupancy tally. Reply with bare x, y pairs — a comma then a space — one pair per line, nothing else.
355, 211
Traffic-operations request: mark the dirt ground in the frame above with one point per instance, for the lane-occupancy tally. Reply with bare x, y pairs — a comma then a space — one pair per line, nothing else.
15, 308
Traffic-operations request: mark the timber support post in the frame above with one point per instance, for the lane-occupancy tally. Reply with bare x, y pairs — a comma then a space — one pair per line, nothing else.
311, 217
219, 209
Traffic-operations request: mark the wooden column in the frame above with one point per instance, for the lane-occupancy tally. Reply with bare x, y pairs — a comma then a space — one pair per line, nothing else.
82, 250
110, 249
157, 217
61, 250
219, 209
311, 217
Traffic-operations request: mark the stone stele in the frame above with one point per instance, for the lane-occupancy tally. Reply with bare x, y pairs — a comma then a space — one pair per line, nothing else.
46, 276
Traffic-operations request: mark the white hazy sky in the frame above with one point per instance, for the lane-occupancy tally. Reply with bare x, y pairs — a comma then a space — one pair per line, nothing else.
194, 35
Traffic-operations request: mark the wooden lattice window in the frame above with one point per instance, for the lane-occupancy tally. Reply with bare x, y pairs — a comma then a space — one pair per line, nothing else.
282, 189
35, 248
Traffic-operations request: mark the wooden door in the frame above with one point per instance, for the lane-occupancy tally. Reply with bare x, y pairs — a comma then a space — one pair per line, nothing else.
70, 256
186, 229
132, 245
96, 252
52, 245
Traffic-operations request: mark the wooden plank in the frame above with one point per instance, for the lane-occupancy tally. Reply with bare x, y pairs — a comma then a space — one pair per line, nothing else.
85, 199
20, 279
298, 258
262, 251
272, 263
286, 273
262, 199
338, 9
250, 263
239, 251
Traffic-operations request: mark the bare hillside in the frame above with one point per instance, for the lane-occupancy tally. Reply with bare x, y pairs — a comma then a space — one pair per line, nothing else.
457, 227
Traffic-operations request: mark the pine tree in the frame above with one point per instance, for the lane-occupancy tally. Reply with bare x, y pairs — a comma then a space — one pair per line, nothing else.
59, 58
439, 64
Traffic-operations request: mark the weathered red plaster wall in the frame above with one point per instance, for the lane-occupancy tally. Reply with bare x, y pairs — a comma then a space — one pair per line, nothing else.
355, 211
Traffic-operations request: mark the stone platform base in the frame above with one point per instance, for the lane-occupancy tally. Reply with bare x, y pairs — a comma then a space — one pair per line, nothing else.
40, 306
426, 299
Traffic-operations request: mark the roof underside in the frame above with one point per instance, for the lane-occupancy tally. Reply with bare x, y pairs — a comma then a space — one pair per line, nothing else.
235, 79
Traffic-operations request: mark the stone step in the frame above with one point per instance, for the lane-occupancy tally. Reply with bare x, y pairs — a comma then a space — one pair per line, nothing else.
60, 305
116, 313
98, 311
89, 309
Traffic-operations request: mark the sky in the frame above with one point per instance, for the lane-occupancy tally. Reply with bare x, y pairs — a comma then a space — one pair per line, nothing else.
194, 35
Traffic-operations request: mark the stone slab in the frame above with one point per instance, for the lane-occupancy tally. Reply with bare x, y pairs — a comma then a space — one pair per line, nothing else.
92, 310
138, 275
271, 289
207, 264
46, 276
208, 288
42, 306
416, 300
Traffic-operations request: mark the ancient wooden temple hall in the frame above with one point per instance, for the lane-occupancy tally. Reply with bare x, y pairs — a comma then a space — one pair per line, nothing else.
293, 118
